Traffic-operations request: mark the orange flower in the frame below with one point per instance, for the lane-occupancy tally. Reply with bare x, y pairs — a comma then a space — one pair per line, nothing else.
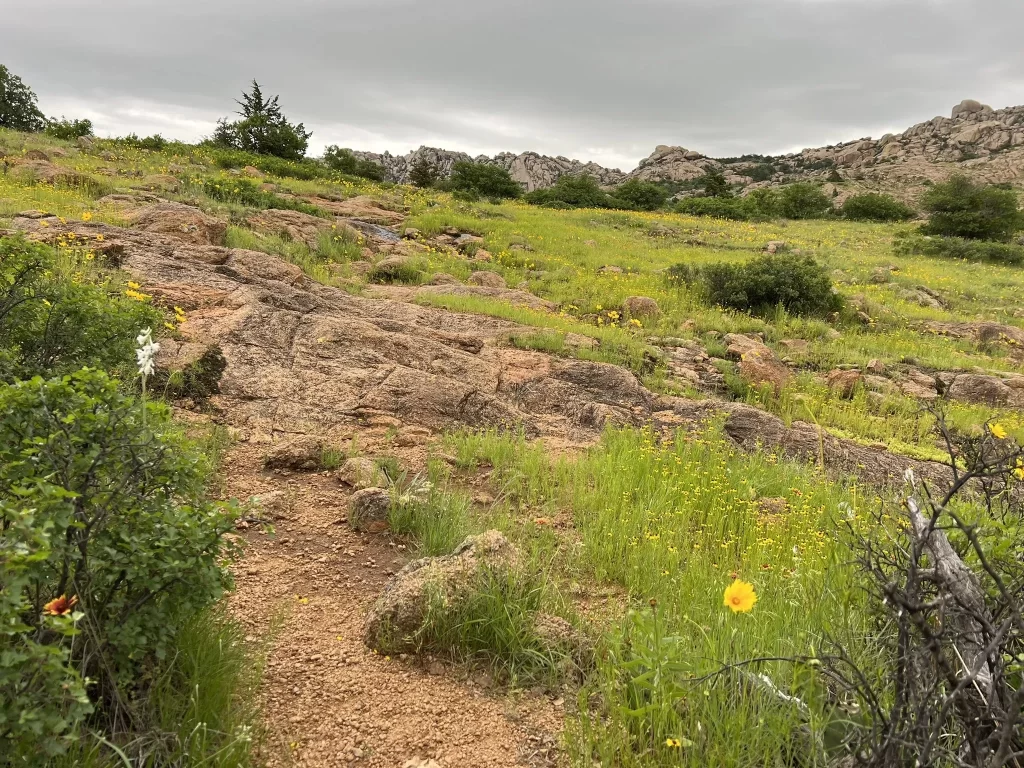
60, 606
541, 521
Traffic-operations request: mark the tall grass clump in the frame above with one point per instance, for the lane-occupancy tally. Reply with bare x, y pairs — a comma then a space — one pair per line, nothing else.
674, 522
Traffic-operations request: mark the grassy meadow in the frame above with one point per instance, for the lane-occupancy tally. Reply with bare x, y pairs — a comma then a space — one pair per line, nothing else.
637, 537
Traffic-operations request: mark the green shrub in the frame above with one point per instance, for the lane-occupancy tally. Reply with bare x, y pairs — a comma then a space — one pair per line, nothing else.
872, 206
263, 129
423, 174
154, 143
641, 195
476, 180
959, 248
961, 208
101, 500
68, 130
18, 109
345, 161
803, 201
715, 185
797, 283
735, 208
573, 191
51, 324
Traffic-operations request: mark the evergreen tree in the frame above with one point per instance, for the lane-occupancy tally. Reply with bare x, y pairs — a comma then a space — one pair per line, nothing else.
423, 173
263, 128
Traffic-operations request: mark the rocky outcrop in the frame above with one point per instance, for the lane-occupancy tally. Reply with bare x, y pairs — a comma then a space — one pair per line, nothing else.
532, 170
976, 139
306, 358
674, 164
180, 221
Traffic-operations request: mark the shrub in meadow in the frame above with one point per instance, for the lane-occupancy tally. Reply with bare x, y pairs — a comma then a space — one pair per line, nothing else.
641, 195
797, 283
480, 180
958, 207
912, 243
874, 206
68, 129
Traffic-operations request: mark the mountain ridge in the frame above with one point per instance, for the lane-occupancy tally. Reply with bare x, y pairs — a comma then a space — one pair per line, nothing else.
976, 139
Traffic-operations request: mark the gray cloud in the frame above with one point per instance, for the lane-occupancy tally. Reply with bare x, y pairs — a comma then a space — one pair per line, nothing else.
591, 79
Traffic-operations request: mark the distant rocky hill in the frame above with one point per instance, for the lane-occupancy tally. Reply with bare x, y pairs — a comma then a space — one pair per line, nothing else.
986, 143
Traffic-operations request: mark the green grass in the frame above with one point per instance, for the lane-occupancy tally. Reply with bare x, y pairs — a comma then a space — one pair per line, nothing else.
200, 707
671, 523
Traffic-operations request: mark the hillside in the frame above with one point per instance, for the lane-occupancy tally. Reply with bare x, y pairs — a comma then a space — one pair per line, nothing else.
985, 143
515, 492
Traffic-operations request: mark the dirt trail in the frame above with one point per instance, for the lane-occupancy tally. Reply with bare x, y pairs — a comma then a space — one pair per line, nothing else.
329, 701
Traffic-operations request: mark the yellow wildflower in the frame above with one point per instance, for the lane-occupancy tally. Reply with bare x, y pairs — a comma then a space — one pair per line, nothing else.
740, 597
87, 216
998, 431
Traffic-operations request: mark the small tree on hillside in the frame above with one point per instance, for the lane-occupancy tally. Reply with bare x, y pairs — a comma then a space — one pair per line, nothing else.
345, 161
961, 208
18, 110
423, 173
715, 185
263, 128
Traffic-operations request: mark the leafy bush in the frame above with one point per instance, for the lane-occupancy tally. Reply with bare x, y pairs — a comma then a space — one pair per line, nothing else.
263, 129
18, 109
573, 191
52, 325
68, 129
423, 173
715, 185
476, 180
797, 283
961, 208
154, 143
641, 195
345, 161
735, 208
872, 206
102, 510
803, 201
959, 248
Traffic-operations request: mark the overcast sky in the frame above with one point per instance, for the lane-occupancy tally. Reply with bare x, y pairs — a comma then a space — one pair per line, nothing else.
591, 79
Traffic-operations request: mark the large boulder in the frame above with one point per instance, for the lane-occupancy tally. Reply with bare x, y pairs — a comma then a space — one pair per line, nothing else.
183, 222
402, 608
